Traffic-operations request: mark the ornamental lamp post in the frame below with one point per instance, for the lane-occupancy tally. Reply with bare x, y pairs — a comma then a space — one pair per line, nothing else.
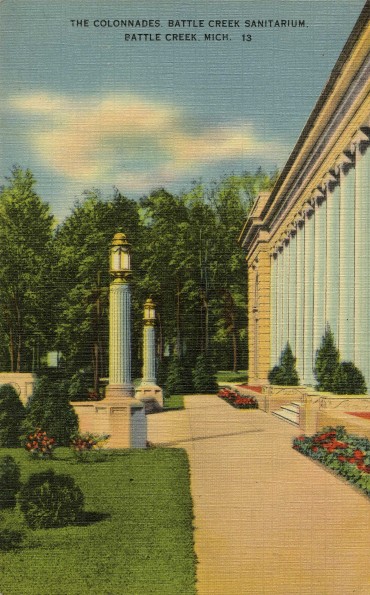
120, 383
148, 391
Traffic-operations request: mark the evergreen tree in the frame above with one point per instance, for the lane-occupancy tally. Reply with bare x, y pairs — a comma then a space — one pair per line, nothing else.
49, 409
177, 381
204, 377
348, 380
12, 413
285, 373
326, 362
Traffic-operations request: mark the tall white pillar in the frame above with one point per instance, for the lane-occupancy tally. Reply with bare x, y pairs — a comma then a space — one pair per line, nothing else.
273, 350
332, 258
319, 272
362, 255
279, 304
346, 337
292, 288
285, 293
309, 264
120, 338
299, 351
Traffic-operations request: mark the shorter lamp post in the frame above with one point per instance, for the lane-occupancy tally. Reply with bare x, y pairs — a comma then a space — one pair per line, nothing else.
149, 371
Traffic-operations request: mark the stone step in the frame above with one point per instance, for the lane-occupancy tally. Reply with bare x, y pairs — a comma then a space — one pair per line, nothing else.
293, 407
289, 415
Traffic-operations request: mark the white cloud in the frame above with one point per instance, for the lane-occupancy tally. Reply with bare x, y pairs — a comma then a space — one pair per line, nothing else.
131, 141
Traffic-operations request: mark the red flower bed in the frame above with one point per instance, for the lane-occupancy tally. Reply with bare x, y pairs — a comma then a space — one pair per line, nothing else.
344, 453
237, 400
256, 389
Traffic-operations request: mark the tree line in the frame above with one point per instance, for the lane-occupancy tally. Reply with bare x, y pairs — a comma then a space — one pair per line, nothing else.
54, 279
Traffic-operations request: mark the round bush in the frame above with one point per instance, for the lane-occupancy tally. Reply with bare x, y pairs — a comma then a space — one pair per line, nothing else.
348, 380
50, 500
9, 481
10, 539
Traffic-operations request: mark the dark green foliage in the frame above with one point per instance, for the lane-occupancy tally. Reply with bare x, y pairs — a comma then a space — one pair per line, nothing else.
12, 414
327, 361
177, 382
348, 380
9, 481
10, 539
285, 373
50, 410
204, 377
78, 386
50, 500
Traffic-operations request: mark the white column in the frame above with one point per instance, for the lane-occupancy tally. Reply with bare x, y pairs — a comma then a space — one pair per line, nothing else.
299, 352
285, 296
309, 263
279, 304
149, 371
346, 258
292, 289
332, 258
320, 272
273, 269
362, 256
120, 337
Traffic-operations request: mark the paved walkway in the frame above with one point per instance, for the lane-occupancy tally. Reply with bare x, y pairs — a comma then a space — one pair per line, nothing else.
267, 520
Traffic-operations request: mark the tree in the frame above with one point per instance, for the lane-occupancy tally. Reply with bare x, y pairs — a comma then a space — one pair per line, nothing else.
326, 362
26, 257
12, 414
204, 377
49, 409
82, 245
285, 373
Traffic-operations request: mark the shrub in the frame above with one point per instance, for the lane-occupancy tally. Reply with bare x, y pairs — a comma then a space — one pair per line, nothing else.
177, 381
326, 362
39, 445
12, 413
49, 409
10, 539
285, 373
348, 380
78, 386
87, 447
204, 376
50, 500
9, 481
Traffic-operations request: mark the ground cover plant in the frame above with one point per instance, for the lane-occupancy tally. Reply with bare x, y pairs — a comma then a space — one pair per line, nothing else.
345, 454
234, 398
173, 402
230, 376
135, 535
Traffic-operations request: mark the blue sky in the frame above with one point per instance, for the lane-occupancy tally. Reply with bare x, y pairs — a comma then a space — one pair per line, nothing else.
84, 108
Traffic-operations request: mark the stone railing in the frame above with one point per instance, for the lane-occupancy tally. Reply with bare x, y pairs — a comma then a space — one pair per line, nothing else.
274, 396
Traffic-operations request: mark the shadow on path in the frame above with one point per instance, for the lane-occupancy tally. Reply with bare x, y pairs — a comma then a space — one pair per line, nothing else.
197, 439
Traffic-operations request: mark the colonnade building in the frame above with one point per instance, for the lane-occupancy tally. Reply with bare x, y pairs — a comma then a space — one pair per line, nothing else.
307, 242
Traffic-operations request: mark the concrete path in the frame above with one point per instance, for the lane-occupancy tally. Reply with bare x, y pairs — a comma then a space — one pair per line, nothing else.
267, 520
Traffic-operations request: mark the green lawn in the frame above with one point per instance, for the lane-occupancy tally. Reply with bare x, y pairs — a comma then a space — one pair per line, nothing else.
136, 540
230, 376
174, 402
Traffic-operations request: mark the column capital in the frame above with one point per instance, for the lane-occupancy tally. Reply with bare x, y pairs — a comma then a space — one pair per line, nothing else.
329, 178
317, 196
343, 160
361, 136
308, 207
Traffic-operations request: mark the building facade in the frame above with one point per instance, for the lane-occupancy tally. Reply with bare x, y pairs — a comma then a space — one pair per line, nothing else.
307, 242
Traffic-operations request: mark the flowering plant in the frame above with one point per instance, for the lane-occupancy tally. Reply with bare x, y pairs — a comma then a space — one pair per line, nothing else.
237, 400
83, 444
344, 453
40, 445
